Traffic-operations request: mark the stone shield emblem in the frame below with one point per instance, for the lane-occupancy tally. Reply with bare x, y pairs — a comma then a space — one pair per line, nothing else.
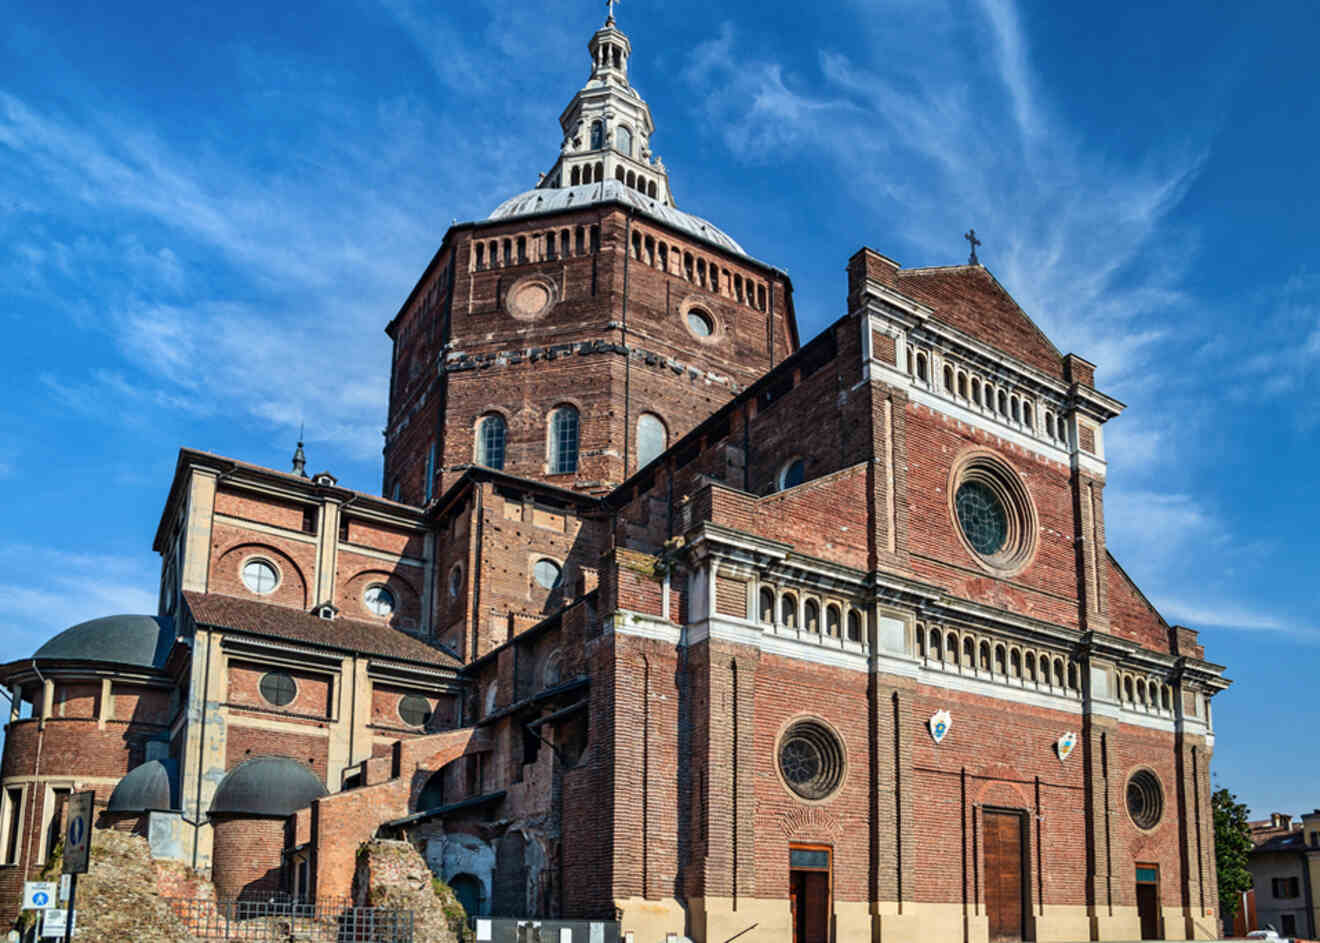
1065, 745
939, 725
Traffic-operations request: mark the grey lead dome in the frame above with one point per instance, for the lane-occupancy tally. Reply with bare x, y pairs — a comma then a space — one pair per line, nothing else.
145, 789
140, 641
550, 200
268, 786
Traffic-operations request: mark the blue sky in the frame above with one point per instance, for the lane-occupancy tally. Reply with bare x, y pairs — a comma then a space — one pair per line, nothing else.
207, 217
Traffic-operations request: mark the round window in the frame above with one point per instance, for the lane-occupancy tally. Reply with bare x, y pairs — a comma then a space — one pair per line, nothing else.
1145, 799
278, 688
993, 513
792, 474
811, 759
546, 573
455, 581
260, 576
379, 600
700, 323
982, 518
414, 710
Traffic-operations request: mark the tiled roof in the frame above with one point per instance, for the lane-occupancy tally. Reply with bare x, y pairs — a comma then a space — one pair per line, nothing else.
259, 618
1293, 841
968, 298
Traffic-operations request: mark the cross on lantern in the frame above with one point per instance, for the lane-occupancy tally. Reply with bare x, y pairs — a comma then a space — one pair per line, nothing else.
970, 236
609, 4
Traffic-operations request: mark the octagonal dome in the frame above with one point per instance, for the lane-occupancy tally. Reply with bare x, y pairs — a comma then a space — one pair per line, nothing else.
549, 200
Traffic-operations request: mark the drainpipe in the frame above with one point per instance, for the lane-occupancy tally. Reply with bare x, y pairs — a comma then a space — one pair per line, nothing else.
36, 769
627, 355
201, 750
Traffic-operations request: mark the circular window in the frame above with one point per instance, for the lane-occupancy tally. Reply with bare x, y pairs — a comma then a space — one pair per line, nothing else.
811, 759
792, 474
982, 518
260, 576
1145, 799
993, 513
278, 688
379, 600
530, 297
414, 710
700, 323
546, 573
455, 581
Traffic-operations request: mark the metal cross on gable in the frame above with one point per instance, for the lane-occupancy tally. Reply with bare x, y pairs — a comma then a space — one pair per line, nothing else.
970, 236
609, 5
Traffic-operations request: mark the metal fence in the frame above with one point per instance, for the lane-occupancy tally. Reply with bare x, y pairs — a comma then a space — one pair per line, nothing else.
275, 921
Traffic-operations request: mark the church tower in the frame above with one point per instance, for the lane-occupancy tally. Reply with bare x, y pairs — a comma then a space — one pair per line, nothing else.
587, 324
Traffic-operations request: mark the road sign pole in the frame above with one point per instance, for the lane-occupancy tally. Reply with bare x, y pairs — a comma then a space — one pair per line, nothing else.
68, 914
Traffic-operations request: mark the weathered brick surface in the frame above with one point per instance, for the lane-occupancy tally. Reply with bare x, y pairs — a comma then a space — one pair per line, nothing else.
247, 856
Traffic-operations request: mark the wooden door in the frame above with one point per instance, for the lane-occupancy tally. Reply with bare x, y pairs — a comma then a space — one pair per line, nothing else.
810, 898
1005, 884
1148, 900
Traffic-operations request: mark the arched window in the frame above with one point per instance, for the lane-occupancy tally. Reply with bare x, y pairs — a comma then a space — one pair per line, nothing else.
1003, 403
1058, 672
1015, 663
630, 181
1141, 692
490, 441
623, 139
564, 441
948, 379
792, 474
600, 171
1026, 412
597, 136
767, 598
976, 391
832, 621
1000, 666
619, 174
936, 648
664, 257
921, 367
1049, 425
921, 642
650, 189
788, 610
1017, 409
812, 616
985, 656
1031, 666
652, 438
951, 647
854, 625
969, 651
962, 385
1128, 694
1164, 698
481, 255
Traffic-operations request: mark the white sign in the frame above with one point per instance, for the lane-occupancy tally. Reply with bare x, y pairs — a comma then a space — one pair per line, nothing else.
39, 895
78, 833
939, 725
52, 922
483, 930
65, 881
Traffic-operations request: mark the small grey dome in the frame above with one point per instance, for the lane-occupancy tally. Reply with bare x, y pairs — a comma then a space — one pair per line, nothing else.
267, 785
547, 200
140, 641
145, 789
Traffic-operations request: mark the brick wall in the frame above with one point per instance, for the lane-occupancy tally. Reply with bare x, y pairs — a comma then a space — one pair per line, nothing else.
247, 857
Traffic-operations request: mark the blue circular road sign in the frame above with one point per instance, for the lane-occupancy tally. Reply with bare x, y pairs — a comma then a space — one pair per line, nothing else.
41, 898
76, 829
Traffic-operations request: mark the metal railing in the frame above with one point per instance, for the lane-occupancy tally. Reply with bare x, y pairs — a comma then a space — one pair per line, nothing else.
281, 921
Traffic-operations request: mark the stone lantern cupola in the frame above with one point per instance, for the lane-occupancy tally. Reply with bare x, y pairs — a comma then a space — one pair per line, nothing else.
607, 127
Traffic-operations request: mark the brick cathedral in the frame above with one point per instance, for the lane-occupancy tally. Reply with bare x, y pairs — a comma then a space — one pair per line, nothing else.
662, 616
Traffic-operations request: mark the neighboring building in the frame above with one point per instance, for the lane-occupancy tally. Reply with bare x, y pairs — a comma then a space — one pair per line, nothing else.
664, 614
1285, 871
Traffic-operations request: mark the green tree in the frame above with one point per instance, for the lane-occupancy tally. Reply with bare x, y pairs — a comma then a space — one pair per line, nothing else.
1232, 843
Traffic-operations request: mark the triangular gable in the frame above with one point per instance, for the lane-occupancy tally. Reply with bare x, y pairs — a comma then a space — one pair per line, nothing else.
1131, 614
970, 299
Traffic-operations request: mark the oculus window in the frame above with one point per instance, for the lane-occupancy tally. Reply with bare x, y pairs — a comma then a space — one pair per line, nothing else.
260, 576
811, 759
1145, 799
982, 518
993, 513
380, 601
415, 711
700, 323
278, 688
792, 474
546, 573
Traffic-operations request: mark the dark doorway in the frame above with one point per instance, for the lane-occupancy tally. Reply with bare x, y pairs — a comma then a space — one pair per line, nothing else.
809, 893
1005, 875
468, 891
1148, 901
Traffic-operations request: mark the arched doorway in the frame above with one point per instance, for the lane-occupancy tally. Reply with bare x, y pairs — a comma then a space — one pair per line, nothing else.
468, 891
